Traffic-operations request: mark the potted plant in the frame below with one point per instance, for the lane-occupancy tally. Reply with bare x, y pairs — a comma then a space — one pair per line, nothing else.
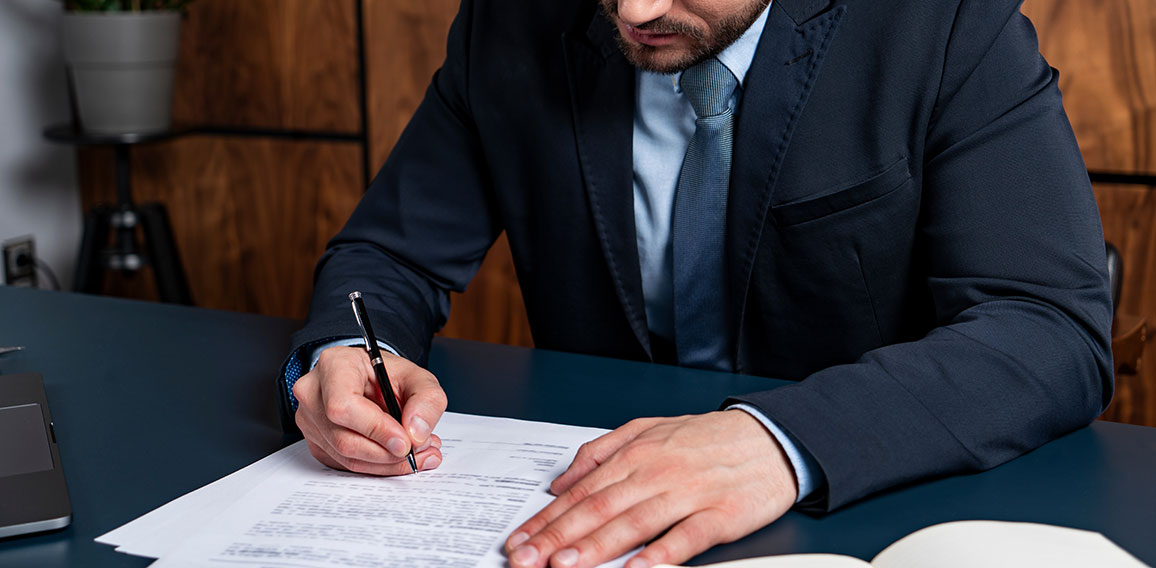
121, 56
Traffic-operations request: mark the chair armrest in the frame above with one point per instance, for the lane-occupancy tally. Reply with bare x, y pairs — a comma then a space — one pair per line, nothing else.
1129, 334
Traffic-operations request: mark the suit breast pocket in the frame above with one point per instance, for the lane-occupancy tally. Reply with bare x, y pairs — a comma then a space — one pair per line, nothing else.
874, 187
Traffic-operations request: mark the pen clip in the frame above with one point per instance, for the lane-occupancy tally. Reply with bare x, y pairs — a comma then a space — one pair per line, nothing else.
355, 299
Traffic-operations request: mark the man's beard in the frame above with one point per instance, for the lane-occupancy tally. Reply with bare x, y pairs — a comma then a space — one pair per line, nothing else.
705, 43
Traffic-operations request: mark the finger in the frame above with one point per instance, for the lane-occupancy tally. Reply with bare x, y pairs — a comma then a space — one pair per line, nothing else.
595, 452
587, 487
422, 400
321, 455
343, 403
353, 445
584, 477
624, 532
381, 462
427, 459
305, 390
315, 438
342, 444
685, 540
322, 449
356, 413
575, 523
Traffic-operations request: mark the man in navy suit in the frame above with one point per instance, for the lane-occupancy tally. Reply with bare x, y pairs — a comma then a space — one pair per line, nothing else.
904, 227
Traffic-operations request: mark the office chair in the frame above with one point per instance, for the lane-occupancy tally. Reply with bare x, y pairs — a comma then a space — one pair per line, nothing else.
1129, 332
1115, 274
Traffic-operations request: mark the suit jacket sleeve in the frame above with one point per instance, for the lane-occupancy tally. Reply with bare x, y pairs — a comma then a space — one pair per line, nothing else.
421, 230
1020, 353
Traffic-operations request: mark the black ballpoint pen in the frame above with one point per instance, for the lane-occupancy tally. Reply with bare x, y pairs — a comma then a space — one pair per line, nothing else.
378, 365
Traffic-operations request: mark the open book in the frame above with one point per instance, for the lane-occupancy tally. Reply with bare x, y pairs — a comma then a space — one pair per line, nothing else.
972, 544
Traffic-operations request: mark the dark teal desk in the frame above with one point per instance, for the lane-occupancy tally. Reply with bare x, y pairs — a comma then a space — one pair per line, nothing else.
152, 401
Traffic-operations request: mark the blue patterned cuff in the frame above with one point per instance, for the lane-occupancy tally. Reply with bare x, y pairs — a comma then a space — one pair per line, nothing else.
292, 373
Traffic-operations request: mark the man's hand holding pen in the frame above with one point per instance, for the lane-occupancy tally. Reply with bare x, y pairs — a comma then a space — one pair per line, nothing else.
341, 412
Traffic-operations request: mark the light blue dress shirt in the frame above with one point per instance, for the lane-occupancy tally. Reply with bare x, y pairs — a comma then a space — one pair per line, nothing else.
663, 127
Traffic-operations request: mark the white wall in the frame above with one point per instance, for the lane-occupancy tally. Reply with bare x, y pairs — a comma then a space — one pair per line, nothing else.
38, 189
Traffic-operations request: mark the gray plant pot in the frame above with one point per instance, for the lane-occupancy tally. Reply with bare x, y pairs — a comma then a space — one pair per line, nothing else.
121, 65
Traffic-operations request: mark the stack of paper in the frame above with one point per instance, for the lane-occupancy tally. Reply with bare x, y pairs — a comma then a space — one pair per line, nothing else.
289, 510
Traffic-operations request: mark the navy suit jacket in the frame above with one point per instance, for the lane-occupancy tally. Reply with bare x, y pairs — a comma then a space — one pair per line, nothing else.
911, 231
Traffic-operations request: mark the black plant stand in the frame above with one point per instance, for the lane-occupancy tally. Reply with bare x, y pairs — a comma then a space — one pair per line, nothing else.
126, 254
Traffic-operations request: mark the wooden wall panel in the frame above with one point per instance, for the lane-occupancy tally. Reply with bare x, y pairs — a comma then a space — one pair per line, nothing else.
250, 216
405, 44
1106, 53
289, 64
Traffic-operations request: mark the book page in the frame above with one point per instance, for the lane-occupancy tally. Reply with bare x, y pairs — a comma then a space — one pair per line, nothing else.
495, 474
790, 561
998, 544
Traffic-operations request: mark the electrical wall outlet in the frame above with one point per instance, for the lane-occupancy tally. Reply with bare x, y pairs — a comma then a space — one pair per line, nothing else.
20, 262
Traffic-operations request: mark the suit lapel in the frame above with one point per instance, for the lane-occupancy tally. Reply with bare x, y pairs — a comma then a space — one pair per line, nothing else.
602, 96
601, 82
786, 64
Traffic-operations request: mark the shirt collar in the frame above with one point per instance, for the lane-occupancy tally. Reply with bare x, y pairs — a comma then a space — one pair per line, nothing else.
741, 53
738, 56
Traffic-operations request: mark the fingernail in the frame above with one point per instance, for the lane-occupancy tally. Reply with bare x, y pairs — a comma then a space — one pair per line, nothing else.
638, 562
524, 556
431, 462
396, 447
419, 429
516, 539
566, 557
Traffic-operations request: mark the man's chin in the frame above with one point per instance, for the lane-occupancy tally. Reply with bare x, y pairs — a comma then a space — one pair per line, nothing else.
665, 59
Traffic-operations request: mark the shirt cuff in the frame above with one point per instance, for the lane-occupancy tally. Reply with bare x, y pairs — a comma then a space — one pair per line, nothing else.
807, 472
346, 342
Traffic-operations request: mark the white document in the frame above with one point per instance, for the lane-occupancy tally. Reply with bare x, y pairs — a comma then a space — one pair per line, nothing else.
296, 512
160, 531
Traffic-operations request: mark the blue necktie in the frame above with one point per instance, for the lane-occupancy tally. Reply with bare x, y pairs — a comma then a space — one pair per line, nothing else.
700, 203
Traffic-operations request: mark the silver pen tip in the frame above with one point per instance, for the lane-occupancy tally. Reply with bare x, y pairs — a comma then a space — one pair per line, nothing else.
354, 295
